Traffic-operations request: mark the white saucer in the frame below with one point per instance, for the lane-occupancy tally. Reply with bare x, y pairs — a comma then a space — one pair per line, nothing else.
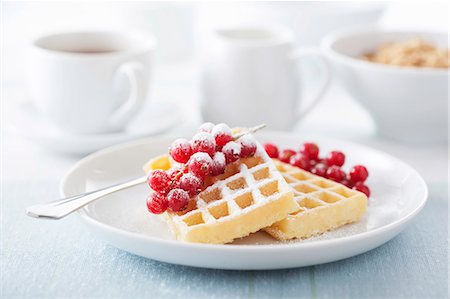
398, 194
154, 118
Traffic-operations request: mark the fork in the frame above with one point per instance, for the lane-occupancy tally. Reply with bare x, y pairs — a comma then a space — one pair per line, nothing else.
60, 208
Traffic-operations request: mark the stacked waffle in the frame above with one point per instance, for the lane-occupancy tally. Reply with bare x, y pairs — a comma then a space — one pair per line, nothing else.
249, 196
324, 205
259, 193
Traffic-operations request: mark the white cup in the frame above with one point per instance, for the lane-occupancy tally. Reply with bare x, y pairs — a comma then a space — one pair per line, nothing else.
90, 82
251, 76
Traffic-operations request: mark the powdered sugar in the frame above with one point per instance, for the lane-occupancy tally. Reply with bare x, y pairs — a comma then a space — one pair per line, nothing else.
206, 127
231, 150
180, 150
189, 177
158, 180
178, 199
221, 129
248, 146
203, 142
218, 164
200, 157
219, 158
182, 143
232, 147
200, 164
190, 183
202, 137
247, 140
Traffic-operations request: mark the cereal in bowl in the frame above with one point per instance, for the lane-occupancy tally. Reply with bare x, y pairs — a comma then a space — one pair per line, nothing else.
414, 52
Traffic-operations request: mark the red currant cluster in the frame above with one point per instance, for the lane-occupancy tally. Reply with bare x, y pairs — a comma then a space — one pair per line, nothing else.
307, 158
207, 153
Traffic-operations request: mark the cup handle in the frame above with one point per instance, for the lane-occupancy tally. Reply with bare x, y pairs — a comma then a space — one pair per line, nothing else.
134, 71
324, 81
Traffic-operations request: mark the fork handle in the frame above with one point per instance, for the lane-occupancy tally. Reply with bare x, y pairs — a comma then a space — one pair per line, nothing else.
62, 207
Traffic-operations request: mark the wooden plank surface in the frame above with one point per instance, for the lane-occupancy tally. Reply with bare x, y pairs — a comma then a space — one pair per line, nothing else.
63, 259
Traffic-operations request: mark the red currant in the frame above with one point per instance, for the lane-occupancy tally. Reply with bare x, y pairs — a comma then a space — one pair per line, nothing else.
157, 203
300, 161
206, 127
178, 199
362, 188
200, 164
320, 169
180, 150
335, 173
248, 146
174, 172
358, 173
232, 151
323, 161
204, 143
174, 175
158, 180
271, 150
336, 158
310, 150
222, 134
191, 184
348, 183
219, 164
286, 155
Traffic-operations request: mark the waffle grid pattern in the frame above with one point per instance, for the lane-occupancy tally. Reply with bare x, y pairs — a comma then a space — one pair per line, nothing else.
311, 191
324, 205
256, 183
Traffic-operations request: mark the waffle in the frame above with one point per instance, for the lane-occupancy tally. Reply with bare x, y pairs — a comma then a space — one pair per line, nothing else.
324, 205
250, 195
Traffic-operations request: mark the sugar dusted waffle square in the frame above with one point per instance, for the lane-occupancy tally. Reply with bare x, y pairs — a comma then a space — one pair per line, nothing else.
250, 195
324, 205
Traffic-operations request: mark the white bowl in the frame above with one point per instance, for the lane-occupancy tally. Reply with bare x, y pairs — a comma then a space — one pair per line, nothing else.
408, 104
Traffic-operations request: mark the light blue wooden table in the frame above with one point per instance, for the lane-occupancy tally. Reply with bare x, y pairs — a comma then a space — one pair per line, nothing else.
63, 259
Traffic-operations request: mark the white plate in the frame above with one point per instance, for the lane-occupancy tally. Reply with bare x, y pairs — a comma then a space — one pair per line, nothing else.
154, 118
398, 194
